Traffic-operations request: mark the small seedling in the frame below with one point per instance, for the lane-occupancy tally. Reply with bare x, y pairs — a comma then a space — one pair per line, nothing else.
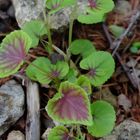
74, 80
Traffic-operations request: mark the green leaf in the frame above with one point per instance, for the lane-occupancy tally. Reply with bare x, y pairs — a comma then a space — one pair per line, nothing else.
116, 30
70, 105
135, 47
13, 51
35, 29
56, 5
59, 133
100, 66
95, 11
44, 72
83, 47
91, 18
71, 75
103, 119
38, 67
84, 83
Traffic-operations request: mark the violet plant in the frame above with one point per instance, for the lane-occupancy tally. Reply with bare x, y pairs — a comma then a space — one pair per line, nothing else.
73, 81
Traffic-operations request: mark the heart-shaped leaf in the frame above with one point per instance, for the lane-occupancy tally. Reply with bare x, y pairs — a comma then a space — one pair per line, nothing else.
59, 133
44, 71
135, 47
70, 105
83, 47
35, 29
100, 66
95, 11
84, 83
56, 5
13, 51
103, 119
116, 30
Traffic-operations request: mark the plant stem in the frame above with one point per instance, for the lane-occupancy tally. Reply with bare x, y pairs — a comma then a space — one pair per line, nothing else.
46, 19
70, 30
32, 56
80, 135
72, 18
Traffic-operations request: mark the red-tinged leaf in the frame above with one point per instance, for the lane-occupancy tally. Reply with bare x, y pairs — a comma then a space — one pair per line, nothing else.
70, 105
13, 51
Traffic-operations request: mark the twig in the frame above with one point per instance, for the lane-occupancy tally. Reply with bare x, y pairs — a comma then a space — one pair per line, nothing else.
33, 112
117, 42
134, 84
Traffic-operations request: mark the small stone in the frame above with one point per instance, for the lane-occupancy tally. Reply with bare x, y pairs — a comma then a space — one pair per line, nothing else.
16, 135
11, 104
45, 134
127, 130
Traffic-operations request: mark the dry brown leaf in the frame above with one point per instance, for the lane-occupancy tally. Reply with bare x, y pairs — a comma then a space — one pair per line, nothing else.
124, 102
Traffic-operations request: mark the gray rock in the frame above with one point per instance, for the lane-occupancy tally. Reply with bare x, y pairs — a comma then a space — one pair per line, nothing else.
27, 10
16, 135
127, 130
11, 104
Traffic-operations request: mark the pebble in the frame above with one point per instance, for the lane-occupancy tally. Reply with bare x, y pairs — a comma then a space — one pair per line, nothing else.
16, 135
127, 130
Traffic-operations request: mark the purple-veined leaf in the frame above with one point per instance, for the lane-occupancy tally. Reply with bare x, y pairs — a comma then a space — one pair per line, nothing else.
70, 105
13, 51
